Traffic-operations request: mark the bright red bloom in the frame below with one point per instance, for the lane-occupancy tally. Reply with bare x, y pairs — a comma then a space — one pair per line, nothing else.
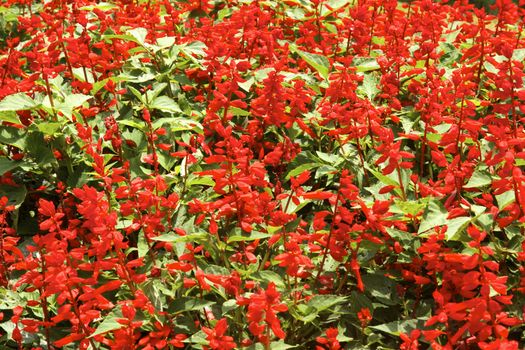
217, 340
263, 306
330, 342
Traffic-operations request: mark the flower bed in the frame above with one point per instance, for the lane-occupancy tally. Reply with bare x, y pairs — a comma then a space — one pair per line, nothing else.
262, 175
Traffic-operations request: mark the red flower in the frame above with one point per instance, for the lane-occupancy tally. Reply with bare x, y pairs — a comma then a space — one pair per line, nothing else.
297, 264
330, 342
264, 306
364, 316
410, 343
217, 339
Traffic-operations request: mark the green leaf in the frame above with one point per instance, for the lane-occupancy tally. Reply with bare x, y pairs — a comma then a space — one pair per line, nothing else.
301, 168
156, 291
17, 102
202, 181
15, 195
185, 304
71, 102
331, 6
410, 207
319, 62
381, 288
8, 328
198, 338
450, 53
386, 180
238, 112
329, 158
180, 124
478, 179
365, 64
49, 128
397, 327
383, 178
165, 104
325, 301
268, 276
139, 35
39, 149
8, 164
166, 161
359, 301
9, 116
165, 42
132, 123
137, 94
137, 78
173, 238
518, 55
98, 85
102, 6
13, 136
142, 245
107, 325
456, 226
281, 345
304, 313
247, 84
274, 345
435, 215
262, 74
195, 48
369, 86
252, 237
505, 199
156, 91
399, 235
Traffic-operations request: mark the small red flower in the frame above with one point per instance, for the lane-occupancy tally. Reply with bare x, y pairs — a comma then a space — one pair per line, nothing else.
364, 316
330, 342
216, 338
264, 306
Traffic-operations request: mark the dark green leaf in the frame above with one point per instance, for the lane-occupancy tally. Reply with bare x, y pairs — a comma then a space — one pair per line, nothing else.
324, 302
16, 195
188, 304
8, 164
381, 288
397, 327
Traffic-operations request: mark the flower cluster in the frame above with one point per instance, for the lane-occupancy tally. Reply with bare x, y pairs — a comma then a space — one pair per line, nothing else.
213, 174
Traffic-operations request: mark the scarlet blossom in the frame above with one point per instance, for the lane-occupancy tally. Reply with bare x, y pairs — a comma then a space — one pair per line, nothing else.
295, 262
217, 340
330, 342
410, 342
364, 316
263, 306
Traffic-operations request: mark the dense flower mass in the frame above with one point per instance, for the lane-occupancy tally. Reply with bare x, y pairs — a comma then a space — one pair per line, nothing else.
308, 174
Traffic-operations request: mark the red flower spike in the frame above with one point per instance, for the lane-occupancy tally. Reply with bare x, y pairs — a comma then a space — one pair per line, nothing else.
216, 337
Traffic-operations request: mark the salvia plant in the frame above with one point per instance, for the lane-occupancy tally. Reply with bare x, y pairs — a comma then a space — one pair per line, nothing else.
300, 174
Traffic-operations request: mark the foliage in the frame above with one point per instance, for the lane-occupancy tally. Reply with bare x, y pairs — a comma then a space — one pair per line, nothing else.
262, 175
